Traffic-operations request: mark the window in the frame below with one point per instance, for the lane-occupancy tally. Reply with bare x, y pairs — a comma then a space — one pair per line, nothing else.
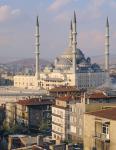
54, 135
48, 107
80, 131
105, 130
79, 111
48, 115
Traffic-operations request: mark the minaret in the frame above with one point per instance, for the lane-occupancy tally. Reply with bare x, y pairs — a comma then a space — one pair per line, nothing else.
74, 43
70, 35
107, 46
37, 49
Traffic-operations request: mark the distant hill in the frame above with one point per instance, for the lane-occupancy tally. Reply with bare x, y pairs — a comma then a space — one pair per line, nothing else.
24, 65
100, 60
28, 62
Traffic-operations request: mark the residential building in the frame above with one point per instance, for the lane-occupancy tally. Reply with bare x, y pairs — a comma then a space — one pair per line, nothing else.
34, 113
100, 130
65, 90
68, 113
60, 118
2, 114
10, 113
6, 79
96, 100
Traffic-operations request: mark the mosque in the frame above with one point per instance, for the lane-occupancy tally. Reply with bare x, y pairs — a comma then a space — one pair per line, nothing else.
69, 69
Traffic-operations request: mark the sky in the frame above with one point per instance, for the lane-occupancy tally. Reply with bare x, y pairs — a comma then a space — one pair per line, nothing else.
18, 20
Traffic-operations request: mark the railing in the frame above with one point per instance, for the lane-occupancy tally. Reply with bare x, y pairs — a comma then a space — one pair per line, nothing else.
102, 136
30, 148
57, 132
58, 124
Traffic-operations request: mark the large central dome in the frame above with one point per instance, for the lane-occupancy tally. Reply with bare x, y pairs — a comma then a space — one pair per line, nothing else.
65, 60
68, 53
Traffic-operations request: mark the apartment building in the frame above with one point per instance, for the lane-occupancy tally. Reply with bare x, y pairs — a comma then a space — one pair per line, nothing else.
68, 113
34, 113
65, 90
2, 114
10, 113
96, 100
61, 117
100, 130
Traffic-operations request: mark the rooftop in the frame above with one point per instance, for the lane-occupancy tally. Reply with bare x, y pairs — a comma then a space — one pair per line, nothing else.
97, 95
64, 89
34, 101
106, 113
68, 98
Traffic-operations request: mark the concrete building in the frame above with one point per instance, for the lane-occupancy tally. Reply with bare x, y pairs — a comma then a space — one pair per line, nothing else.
71, 68
25, 142
2, 115
10, 113
68, 113
87, 103
65, 90
6, 79
60, 118
100, 130
34, 113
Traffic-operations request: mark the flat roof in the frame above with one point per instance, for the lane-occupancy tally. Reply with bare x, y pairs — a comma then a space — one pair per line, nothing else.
105, 113
35, 101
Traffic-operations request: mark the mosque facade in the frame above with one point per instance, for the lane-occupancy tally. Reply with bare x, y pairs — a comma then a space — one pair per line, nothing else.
72, 68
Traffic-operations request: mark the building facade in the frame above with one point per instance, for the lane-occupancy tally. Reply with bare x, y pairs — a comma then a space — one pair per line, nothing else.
100, 132
34, 113
68, 113
10, 113
96, 100
60, 118
66, 90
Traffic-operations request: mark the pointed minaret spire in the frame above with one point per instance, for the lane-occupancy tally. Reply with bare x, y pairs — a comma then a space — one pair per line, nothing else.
74, 17
74, 47
107, 46
71, 25
107, 22
70, 35
37, 22
37, 49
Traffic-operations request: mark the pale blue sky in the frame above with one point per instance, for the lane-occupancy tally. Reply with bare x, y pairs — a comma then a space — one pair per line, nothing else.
17, 26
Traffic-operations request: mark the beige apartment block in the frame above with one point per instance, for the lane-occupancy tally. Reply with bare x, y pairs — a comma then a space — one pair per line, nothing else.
60, 118
100, 130
68, 112
10, 113
96, 100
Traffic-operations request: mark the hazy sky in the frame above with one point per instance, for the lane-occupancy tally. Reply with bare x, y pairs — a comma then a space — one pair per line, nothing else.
18, 19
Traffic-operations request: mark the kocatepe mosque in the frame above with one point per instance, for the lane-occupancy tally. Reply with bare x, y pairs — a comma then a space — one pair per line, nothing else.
69, 69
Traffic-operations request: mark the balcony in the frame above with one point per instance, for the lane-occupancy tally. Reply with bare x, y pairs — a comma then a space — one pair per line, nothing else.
57, 115
58, 124
57, 132
102, 137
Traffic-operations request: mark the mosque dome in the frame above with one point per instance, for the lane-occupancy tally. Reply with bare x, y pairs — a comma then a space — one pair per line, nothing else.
68, 54
63, 63
65, 60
